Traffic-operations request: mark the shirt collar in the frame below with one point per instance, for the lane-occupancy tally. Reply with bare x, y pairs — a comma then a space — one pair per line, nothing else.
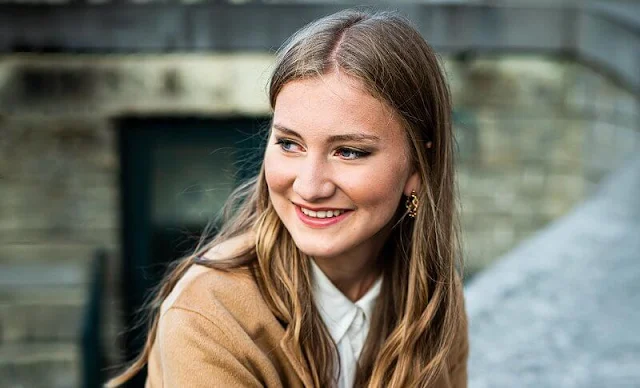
336, 310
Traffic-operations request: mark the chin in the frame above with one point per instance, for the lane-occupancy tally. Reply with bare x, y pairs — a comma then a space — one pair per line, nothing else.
316, 248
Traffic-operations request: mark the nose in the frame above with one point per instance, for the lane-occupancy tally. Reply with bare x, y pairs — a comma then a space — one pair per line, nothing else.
313, 180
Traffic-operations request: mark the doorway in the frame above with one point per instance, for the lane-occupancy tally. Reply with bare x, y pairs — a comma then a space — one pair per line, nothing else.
176, 174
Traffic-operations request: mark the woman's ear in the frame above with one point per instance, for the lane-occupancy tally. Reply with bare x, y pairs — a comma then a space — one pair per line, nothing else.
413, 183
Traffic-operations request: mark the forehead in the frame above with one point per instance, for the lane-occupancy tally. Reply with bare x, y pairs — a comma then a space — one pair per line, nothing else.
334, 104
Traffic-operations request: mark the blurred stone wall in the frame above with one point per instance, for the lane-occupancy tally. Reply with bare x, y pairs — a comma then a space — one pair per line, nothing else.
59, 185
534, 134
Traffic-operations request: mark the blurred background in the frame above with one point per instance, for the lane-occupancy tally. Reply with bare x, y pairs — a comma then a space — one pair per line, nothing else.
124, 124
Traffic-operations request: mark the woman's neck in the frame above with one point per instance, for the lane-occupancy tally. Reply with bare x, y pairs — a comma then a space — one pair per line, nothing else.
352, 274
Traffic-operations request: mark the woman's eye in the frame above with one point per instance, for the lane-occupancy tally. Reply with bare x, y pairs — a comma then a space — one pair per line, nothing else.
287, 145
350, 153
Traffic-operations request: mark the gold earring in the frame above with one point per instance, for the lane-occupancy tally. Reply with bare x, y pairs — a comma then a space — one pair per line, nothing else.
412, 204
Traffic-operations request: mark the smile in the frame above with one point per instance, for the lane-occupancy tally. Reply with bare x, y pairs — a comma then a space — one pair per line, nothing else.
321, 218
322, 213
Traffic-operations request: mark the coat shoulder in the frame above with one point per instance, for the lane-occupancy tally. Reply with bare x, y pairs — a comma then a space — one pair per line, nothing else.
218, 295
209, 291
215, 326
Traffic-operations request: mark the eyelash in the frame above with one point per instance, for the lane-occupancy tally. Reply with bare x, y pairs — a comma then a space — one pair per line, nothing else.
284, 142
358, 154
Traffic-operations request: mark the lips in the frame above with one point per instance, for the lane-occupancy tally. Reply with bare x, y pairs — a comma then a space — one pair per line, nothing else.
321, 218
321, 213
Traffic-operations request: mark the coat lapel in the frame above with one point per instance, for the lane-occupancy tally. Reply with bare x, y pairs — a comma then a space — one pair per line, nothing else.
288, 347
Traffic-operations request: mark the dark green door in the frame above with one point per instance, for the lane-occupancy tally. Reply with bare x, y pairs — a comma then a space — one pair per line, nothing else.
176, 175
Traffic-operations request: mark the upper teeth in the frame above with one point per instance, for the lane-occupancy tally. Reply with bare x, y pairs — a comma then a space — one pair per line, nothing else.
322, 213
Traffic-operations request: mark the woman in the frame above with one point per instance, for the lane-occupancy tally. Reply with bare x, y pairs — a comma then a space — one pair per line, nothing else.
339, 266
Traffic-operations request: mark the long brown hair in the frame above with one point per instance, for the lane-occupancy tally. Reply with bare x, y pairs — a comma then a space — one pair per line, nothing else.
417, 313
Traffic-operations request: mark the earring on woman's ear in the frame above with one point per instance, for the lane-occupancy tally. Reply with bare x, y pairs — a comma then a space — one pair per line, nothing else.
412, 204
429, 144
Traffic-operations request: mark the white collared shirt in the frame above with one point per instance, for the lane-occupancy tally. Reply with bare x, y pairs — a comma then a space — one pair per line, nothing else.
348, 322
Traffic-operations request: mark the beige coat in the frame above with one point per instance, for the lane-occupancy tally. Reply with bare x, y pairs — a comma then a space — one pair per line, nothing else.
216, 330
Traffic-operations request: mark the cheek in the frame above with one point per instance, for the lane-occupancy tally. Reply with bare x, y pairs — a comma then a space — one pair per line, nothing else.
277, 175
380, 200
379, 191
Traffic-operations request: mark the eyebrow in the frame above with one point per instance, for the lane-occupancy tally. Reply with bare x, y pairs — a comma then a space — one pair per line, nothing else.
335, 138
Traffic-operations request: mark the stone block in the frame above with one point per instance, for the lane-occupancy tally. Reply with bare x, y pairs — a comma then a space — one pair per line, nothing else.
565, 187
478, 250
568, 150
509, 82
555, 207
532, 179
592, 94
496, 143
41, 295
52, 322
43, 274
51, 252
463, 172
58, 206
99, 237
115, 86
39, 365
536, 137
499, 186
608, 146
580, 89
524, 210
55, 150
503, 237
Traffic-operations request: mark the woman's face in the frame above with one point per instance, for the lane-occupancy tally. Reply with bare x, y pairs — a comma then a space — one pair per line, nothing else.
336, 166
